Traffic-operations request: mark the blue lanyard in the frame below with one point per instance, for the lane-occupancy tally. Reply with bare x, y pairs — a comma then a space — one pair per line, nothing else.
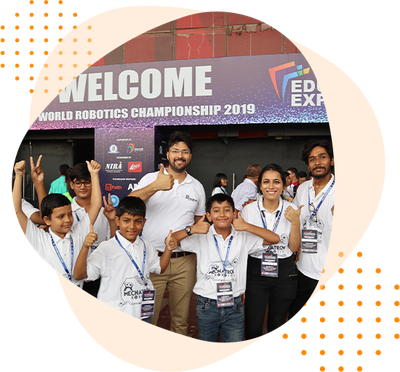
277, 220
227, 252
312, 214
76, 214
61, 259
133, 261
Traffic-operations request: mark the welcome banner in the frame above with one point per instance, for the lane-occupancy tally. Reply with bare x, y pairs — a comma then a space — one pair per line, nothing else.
232, 90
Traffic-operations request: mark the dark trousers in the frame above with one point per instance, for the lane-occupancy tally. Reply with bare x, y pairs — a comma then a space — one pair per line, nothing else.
276, 293
305, 289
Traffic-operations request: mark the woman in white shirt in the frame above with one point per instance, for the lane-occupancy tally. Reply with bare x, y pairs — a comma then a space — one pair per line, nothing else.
220, 183
271, 274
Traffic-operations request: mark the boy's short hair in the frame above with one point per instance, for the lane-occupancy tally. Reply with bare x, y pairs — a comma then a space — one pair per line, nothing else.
219, 198
177, 136
133, 206
79, 171
52, 201
63, 169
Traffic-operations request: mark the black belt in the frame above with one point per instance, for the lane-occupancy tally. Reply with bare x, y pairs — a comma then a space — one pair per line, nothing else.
176, 254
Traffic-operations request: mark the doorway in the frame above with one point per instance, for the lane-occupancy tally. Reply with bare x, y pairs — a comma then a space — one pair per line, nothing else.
230, 149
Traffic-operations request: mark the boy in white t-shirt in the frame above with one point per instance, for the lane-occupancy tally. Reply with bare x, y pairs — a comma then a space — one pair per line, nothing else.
222, 251
125, 262
61, 245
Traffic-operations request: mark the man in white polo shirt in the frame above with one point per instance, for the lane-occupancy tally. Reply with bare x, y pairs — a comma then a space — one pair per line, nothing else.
317, 196
174, 200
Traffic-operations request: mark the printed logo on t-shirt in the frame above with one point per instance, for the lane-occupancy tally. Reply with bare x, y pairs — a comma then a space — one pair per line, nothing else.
130, 292
188, 197
215, 271
278, 249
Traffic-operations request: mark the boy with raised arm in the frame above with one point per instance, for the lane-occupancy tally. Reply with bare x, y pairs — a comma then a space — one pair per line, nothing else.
222, 251
62, 244
125, 262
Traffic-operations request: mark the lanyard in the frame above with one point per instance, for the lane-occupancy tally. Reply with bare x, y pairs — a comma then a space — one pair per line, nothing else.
313, 213
276, 221
227, 252
61, 259
76, 214
133, 261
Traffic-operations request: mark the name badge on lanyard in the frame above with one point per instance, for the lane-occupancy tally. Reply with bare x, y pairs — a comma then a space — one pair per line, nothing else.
148, 295
269, 259
310, 237
224, 289
309, 241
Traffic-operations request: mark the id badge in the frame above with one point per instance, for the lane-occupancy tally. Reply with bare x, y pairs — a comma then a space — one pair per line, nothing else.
224, 294
269, 264
309, 241
147, 307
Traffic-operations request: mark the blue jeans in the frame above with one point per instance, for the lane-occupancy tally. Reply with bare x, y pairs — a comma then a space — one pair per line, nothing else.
213, 320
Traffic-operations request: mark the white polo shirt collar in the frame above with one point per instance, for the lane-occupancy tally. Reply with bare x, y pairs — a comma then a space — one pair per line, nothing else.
261, 205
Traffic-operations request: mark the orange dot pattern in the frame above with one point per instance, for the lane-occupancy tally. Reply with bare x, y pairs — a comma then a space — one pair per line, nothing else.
28, 34
352, 324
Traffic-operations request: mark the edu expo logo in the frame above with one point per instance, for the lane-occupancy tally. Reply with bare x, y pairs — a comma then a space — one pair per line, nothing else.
280, 76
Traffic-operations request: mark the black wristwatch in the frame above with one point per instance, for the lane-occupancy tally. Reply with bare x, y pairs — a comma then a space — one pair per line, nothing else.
187, 229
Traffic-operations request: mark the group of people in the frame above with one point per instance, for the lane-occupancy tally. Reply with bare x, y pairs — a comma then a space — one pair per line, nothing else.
236, 253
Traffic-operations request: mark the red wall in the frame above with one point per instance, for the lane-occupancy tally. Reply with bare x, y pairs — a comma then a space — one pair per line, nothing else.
203, 35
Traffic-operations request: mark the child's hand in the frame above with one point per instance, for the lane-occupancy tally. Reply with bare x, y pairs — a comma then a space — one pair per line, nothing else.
93, 166
37, 173
109, 210
293, 215
201, 227
90, 238
170, 242
239, 223
19, 168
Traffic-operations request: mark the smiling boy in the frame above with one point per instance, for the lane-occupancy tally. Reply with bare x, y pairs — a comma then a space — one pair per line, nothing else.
61, 245
125, 262
222, 251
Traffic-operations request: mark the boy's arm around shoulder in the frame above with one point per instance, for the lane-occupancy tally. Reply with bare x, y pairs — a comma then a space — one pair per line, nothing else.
269, 237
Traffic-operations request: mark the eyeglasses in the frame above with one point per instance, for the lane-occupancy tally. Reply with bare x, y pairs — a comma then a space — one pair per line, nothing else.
176, 151
80, 183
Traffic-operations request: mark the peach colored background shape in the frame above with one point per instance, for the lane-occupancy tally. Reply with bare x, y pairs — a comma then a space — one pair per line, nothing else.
349, 114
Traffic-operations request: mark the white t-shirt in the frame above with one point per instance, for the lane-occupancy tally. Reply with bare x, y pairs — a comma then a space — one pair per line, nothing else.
101, 226
121, 285
210, 263
252, 214
41, 242
218, 190
28, 208
311, 264
171, 210
243, 192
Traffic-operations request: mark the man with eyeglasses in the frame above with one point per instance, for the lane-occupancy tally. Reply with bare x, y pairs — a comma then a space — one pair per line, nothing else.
317, 195
174, 201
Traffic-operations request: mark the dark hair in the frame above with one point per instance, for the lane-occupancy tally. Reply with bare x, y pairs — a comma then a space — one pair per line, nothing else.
218, 178
314, 143
132, 205
253, 170
294, 170
79, 171
302, 174
179, 137
219, 198
52, 201
63, 169
274, 167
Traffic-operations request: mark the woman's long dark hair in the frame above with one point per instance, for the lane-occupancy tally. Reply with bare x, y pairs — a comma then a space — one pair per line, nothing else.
218, 177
